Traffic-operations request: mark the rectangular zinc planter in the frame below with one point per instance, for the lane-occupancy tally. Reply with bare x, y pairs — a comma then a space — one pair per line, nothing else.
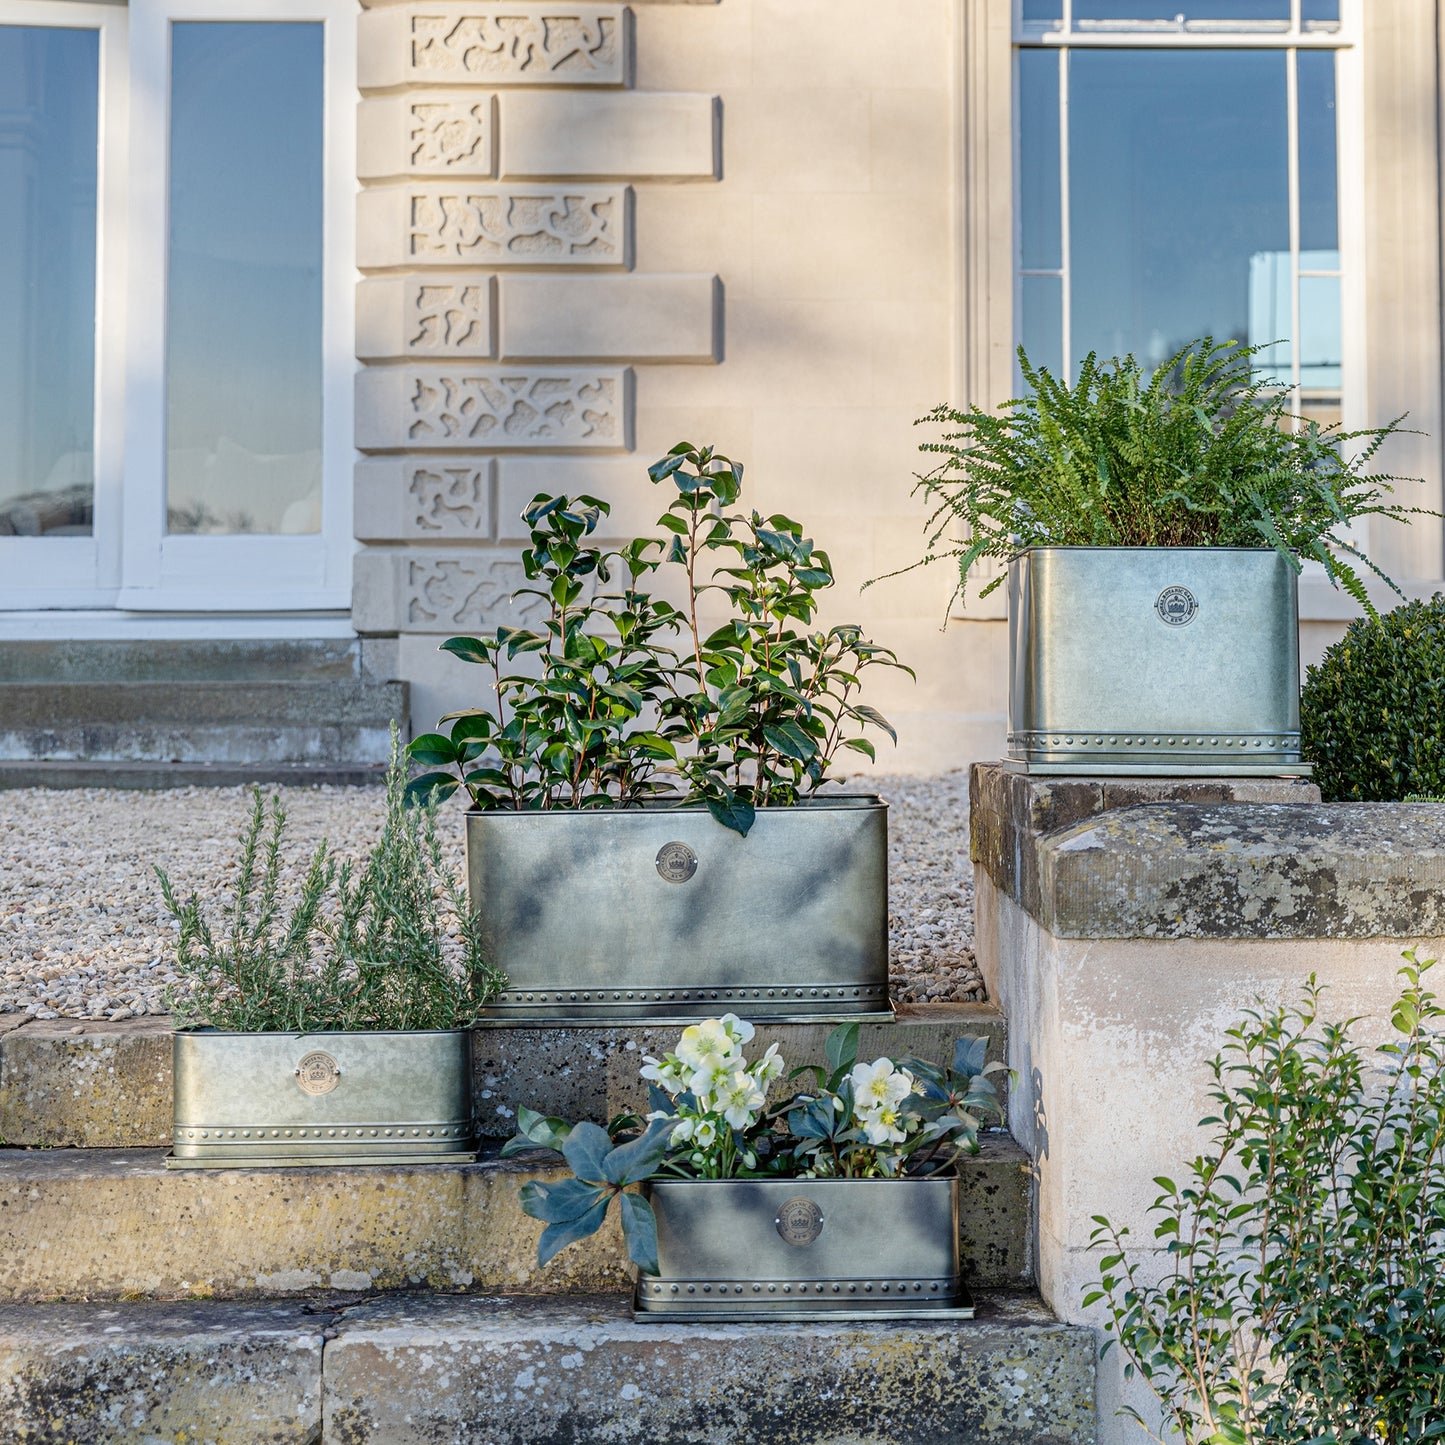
738, 1249
1154, 660
662, 913
270, 1100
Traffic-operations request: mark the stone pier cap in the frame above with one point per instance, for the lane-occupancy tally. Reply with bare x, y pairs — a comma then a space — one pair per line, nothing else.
1210, 859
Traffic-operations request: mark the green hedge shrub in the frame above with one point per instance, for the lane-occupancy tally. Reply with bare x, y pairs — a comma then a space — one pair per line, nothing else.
1373, 710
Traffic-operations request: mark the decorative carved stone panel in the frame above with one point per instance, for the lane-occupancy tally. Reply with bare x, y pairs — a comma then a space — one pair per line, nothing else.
424, 316
429, 134
431, 499
481, 225
471, 593
494, 408
495, 44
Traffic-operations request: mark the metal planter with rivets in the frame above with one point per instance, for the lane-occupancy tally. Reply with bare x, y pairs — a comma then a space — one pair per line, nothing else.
271, 1100
1154, 660
660, 913
739, 1249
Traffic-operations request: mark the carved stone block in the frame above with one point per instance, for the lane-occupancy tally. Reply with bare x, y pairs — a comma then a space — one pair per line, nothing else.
495, 44
434, 315
426, 134
444, 592
418, 498
494, 408
438, 225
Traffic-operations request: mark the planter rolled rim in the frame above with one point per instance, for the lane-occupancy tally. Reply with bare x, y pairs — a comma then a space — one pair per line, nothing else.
1154, 661
659, 914
274, 1100
805, 1249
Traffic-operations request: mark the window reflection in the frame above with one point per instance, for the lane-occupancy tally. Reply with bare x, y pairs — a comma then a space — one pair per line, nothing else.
49, 82
243, 338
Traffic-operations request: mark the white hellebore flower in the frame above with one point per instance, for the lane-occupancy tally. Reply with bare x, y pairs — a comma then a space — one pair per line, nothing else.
769, 1067
739, 1099
879, 1083
713, 1076
740, 1031
667, 1073
704, 1134
705, 1044
684, 1131
882, 1125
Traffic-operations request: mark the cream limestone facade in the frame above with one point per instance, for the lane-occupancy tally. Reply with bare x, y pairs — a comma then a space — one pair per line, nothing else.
785, 227
575, 234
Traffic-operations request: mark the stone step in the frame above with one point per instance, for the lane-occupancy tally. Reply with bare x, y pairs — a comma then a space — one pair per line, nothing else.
68, 1084
116, 1224
418, 1370
149, 776
112, 660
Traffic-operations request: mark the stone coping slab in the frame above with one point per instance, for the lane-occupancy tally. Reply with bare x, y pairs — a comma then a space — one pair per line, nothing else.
97, 1085
1214, 859
409, 1371
92, 1223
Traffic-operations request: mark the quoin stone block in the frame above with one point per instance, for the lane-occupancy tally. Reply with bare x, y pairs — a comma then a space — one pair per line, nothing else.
657, 135
544, 408
424, 316
642, 318
493, 226
522, 44
424, 499
441, 592
426, 134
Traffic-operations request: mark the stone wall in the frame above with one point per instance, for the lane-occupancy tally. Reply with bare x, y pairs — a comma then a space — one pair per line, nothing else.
1124, 924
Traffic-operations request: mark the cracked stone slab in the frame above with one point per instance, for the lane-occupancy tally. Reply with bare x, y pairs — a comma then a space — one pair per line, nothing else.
89, 1374
423, 1371
1256, 870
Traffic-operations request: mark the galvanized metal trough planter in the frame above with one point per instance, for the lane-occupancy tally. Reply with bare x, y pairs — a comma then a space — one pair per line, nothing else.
807, 1249
661, 914
271, 1100
1154, 660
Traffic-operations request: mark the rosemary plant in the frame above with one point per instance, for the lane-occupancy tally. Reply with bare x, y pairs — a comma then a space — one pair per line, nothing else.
1201, 452
390, 944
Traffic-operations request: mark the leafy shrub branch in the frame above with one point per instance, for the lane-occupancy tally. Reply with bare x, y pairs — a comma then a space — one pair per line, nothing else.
1303, 1292
629, 697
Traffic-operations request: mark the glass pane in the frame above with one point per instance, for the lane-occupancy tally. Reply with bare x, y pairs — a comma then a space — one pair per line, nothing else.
1039, 205
1320, 347
1318, 204
1050, 11
1271, 315
1181, 9
1178, 178
49, 82
1041, 325
243, 320
1320, 10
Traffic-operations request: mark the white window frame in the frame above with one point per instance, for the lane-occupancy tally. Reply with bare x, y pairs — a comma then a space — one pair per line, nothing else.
85, 571
1290, 37
235, 573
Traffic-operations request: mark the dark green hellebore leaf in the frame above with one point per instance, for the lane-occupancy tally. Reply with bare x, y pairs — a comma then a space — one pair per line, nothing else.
564, 1200
639, 1229
841, 1049
556, 1237
633, 1162
585, 1149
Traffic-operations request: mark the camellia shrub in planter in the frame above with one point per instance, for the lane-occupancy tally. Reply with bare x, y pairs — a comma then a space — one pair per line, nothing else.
333, 1031
840, 1202
646, 835
1373, 708
1154, 525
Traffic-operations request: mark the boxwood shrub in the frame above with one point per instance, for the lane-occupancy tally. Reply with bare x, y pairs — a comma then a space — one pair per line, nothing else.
1373, 710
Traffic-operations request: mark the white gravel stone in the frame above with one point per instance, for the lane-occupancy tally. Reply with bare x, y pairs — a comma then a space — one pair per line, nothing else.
84, 933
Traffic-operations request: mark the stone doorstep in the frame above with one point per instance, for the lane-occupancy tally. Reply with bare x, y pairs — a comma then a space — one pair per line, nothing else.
116, 1224
412, 1370
68, 1083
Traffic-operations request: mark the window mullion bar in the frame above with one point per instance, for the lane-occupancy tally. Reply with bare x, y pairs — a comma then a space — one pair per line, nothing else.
1066, 340
1292, 131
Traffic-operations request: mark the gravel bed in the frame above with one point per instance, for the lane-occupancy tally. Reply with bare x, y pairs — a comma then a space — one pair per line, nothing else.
84, 934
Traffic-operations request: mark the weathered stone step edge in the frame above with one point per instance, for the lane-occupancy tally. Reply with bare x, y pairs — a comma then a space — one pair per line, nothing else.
180, 660
148, 776
109, 1087
409, 1370
56, 706
116, 1224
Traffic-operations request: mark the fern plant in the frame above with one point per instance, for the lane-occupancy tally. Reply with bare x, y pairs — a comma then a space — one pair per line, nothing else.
389, 945
1201, 452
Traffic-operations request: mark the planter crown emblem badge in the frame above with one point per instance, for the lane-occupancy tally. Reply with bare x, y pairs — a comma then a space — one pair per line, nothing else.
1176, 606
799, 1220
318, 1073
676, 862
